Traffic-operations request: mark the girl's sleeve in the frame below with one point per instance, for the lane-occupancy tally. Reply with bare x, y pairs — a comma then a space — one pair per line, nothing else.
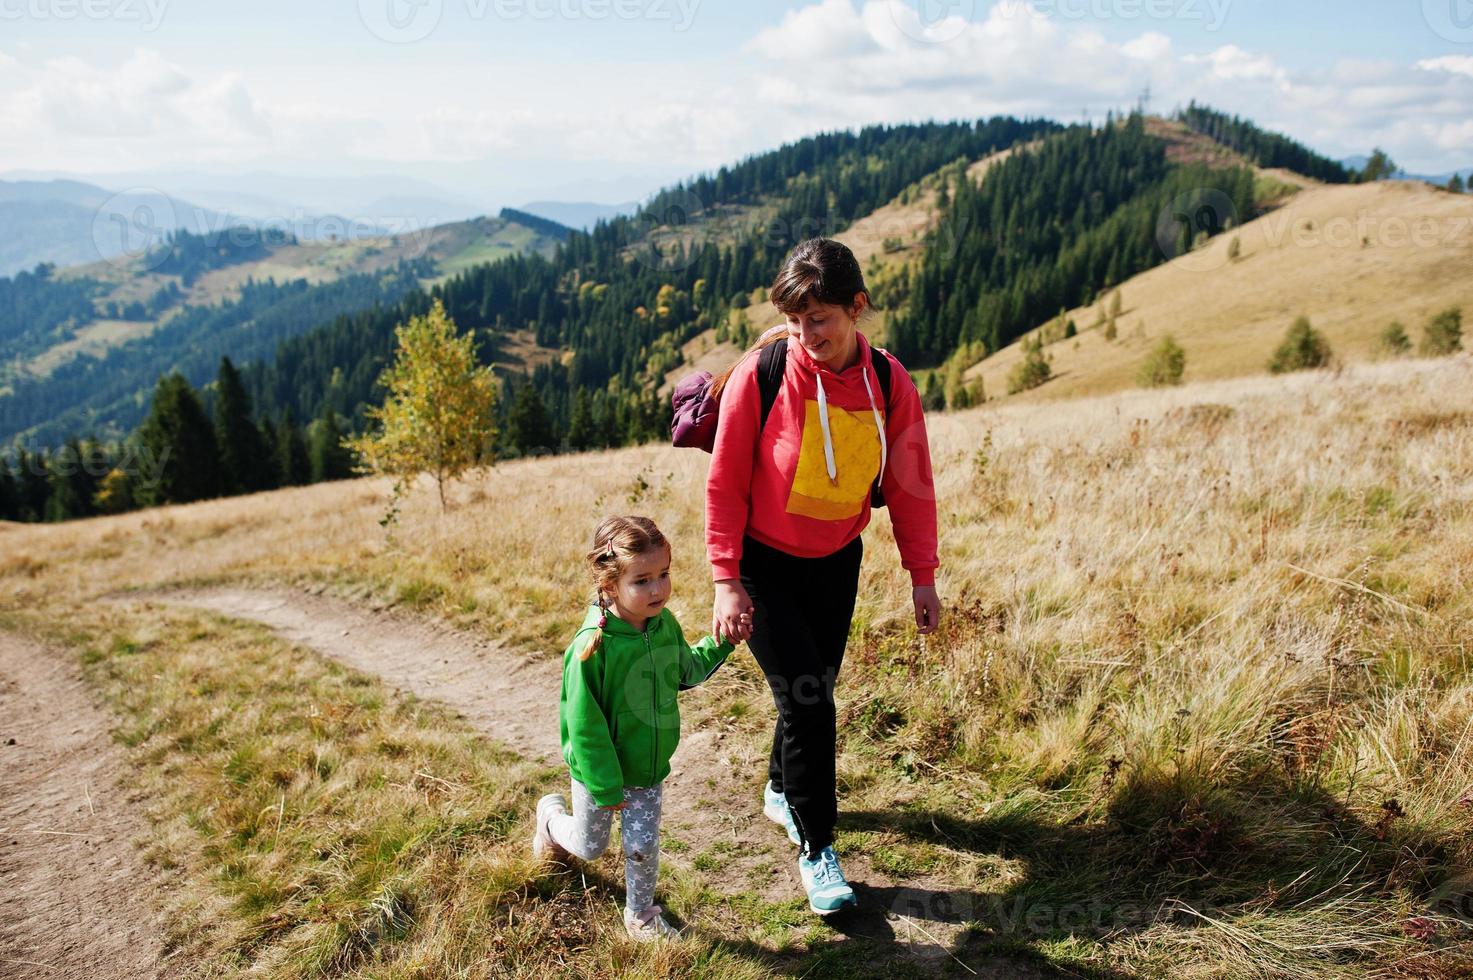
588, 732
700, 661
910, 490
729, 483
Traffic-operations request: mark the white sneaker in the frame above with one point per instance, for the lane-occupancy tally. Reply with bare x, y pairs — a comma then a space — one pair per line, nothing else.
649, 925
775, 808
544, 848
827, 889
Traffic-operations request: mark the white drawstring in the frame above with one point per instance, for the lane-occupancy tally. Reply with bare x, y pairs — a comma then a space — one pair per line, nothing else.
823, 423
828, 439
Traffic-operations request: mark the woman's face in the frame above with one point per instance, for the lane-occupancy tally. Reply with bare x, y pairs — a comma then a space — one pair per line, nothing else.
826, 331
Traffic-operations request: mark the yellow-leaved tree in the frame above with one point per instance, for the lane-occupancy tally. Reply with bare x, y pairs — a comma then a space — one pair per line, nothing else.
438, 416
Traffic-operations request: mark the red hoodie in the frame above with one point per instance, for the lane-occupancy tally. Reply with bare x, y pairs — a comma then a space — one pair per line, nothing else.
801, 499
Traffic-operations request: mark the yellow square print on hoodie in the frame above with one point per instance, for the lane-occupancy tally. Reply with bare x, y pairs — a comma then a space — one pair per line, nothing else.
856, 457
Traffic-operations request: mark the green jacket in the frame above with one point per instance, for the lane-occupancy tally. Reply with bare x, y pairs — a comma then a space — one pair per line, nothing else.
619, 718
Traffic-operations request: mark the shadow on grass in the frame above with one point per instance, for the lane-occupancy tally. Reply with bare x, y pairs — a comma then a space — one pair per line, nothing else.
1169, 850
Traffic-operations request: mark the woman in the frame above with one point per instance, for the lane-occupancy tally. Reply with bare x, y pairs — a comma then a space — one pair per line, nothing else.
786, 500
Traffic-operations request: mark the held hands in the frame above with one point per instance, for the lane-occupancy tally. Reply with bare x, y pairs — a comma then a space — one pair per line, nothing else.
928, 608
731, 615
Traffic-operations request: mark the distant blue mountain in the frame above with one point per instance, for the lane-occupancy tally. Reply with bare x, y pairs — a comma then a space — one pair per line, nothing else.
1358, 163
578, 214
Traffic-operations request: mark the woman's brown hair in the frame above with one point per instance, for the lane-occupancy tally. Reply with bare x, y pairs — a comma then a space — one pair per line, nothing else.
617, 542
820, 269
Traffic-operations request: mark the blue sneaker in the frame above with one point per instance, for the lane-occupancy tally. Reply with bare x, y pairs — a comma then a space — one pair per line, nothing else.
775, 807
828, 891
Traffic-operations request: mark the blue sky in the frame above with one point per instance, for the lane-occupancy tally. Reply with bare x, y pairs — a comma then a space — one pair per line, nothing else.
502, 100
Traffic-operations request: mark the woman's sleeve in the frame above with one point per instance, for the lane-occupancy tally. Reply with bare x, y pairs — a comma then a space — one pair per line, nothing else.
729, 483
910, 491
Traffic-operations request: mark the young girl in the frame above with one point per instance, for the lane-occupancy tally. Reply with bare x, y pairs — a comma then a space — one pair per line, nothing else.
620, 720
787, 496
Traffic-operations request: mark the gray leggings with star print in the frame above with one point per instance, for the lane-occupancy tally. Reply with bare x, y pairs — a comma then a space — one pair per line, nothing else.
585, 832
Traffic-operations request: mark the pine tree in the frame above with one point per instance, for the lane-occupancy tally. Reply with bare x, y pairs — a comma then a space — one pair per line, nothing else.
293, 465
9, 492
581, 433
1443, 334
1394, 340
1456, 184
72, 486
178, 442
242, 455
1303, 348
439, 414
331, 460
1164, 365
1378, 167
530, 431
270, 470
33, 485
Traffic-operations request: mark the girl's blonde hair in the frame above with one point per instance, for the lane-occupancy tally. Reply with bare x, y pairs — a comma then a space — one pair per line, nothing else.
617, 542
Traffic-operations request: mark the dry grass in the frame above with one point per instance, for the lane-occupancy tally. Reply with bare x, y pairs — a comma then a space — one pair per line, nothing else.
1351, 258
1201, 705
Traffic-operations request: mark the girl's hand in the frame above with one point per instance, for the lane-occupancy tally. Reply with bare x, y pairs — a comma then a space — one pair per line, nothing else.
731, 614
928, 608
616, 806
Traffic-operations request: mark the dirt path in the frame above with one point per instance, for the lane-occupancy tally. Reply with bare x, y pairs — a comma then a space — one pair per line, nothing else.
76, 898
712, 794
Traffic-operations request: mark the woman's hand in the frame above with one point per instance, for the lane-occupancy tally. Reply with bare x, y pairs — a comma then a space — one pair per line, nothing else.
928, 608
731, 614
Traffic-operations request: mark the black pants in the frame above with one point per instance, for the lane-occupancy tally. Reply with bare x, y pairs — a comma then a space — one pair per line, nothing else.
800, 625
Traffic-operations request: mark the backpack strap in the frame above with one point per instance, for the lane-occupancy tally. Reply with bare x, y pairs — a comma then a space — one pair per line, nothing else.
880, 361
771, 364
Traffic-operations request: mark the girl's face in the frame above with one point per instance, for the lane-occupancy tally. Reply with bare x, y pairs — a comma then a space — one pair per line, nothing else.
826, 331
643, 588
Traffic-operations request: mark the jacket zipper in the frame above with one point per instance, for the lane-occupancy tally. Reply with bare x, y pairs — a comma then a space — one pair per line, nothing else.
654, 701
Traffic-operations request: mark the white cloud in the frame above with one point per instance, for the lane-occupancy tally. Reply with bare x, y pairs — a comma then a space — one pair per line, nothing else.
829, 64
828, 29
1458, 64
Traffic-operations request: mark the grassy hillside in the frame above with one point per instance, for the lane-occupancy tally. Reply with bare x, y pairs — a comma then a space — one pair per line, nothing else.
454, 247
1352, 258
1200, 704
